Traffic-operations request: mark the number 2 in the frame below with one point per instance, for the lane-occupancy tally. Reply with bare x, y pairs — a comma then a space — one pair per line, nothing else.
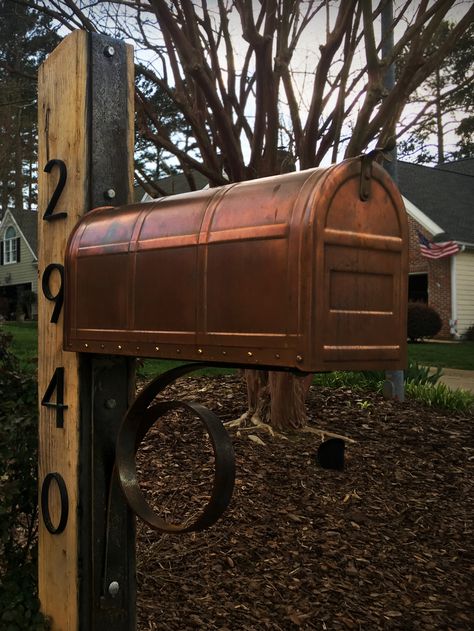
48, 215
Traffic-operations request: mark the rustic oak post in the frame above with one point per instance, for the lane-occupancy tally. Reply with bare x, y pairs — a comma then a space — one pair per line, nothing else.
86, 532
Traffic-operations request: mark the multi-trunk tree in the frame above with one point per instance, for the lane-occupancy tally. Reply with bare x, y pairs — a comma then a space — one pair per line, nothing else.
263, 86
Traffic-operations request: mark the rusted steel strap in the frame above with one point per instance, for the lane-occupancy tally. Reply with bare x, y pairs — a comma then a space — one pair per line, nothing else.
138, 420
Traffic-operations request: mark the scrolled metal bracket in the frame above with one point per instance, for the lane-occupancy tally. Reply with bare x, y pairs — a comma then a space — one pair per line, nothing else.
367, 161
140, 417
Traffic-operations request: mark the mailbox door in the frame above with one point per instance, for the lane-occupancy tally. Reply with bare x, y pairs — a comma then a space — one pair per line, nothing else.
360, 289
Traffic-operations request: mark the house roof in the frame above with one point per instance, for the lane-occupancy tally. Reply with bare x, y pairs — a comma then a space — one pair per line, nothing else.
465, 166
444, 194
174, 184
26, 221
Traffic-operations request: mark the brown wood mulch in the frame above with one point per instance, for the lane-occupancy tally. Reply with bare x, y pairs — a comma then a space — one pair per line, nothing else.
387, 543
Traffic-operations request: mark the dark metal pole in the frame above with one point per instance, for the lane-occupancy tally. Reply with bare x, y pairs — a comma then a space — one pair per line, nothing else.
394, 387
107, 537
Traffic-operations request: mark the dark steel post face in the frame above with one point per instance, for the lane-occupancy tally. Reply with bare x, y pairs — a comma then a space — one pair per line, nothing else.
107, 530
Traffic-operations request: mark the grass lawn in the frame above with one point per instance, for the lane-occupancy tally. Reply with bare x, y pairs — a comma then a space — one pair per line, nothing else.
450, 355
25, 342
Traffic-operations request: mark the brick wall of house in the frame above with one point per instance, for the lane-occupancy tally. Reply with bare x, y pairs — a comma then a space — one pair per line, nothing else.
439, 276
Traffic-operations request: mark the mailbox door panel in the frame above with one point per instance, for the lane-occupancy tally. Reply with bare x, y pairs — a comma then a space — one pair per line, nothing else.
94, 274
359, 294
165, 290
247, 287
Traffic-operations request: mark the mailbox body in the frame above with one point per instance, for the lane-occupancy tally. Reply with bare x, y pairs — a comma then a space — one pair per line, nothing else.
288, 271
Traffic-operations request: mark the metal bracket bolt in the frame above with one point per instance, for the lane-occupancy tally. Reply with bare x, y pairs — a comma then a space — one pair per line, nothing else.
109, 193
110, 404
114, 588
109, 51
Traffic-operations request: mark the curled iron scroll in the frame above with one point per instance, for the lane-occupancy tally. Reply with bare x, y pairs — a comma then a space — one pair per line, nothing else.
138, 420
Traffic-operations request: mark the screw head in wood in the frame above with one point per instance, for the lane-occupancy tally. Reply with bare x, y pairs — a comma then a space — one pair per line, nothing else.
109, 193
109, 51
114, 588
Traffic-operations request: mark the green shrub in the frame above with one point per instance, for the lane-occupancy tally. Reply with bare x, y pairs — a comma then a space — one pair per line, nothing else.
19, 606
370, 380
469, 334
440, 396
422, 374
423, 321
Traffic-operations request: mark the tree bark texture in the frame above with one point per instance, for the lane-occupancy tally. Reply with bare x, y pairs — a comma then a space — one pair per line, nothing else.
277, 398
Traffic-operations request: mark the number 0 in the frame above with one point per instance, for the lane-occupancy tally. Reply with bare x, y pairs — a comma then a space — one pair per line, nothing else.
54, 530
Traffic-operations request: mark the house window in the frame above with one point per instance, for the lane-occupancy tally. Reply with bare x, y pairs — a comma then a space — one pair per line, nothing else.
10, 249
418, 288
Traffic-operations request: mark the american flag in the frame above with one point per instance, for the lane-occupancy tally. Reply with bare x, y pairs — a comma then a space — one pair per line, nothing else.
436, 250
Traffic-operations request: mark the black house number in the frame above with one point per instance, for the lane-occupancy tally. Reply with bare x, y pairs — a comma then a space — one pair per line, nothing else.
49, 212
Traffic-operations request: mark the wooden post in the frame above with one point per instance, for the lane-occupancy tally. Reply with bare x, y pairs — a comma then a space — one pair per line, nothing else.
86, 532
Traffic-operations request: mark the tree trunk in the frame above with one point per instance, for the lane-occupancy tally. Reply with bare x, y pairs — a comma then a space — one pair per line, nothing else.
439, 119
277, 398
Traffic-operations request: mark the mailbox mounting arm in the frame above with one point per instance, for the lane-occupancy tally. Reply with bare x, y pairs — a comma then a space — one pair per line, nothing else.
142, 414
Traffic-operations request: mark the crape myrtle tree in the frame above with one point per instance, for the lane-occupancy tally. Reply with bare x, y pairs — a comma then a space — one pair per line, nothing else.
255, 80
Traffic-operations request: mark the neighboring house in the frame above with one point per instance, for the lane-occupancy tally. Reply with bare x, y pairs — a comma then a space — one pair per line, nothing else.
440, 205
172, 185
18, 265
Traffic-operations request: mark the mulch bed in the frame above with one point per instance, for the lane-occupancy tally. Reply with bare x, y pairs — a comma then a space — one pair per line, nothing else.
387, 543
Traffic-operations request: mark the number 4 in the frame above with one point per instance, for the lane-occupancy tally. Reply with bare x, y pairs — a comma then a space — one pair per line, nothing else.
56, 383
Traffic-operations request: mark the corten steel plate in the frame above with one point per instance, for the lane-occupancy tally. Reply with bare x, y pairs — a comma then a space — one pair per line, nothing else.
288, 271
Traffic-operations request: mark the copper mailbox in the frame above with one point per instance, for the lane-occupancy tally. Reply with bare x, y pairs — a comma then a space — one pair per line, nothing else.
290, 271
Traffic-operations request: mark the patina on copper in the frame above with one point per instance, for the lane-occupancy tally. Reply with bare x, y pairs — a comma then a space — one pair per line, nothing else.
289, 271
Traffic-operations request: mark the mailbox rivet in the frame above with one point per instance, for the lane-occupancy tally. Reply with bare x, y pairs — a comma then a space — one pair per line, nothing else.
200, 351
157, 348
110, 404
138, 348
224, 352
86, 345
102, 346
277, 356
250, 354
119, 347
178, 350
109, 51
299, 358
109, 193
114, 588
